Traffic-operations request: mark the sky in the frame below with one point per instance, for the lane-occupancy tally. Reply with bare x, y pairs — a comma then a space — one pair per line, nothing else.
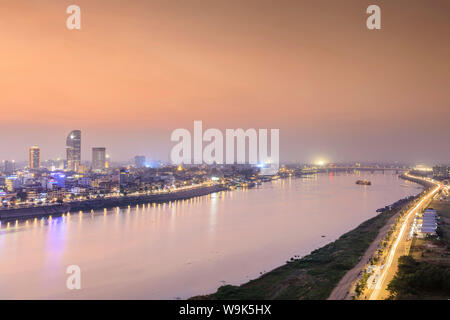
137, 70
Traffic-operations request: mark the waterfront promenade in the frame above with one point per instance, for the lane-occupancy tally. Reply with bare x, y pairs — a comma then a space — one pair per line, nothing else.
95, 204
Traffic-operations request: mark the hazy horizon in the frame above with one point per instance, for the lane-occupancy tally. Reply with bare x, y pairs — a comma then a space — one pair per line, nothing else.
138, 70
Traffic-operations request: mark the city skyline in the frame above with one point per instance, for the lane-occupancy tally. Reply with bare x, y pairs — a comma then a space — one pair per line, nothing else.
341, 93
86, 156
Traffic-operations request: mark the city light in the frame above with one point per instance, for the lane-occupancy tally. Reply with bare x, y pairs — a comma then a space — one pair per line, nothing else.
320, 162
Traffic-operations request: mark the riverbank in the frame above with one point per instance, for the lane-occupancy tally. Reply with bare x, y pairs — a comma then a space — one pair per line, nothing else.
317, 274
345, 289
95, 204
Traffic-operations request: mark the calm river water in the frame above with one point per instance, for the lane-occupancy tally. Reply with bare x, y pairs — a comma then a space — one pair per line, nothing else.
188, 247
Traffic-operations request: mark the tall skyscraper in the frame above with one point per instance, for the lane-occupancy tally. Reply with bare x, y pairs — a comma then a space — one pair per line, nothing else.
98, 158
34, 158
139, 161
73, 150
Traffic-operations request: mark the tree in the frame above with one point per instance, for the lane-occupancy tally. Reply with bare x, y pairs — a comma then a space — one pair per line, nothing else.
22, 196
415, 279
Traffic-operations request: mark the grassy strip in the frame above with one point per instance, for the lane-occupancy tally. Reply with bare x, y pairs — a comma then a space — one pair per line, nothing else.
315, 275
420, 280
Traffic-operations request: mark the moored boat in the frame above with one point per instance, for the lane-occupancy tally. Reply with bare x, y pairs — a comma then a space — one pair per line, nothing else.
364, 182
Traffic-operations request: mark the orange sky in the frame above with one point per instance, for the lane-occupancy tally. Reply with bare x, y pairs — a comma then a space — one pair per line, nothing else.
139, 69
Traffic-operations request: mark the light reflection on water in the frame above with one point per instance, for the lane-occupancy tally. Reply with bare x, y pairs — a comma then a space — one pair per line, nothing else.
187, 247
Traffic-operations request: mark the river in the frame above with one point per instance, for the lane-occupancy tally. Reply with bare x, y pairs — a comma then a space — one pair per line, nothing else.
190, 247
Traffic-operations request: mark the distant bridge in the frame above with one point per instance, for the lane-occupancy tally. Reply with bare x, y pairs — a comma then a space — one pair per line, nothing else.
352, 168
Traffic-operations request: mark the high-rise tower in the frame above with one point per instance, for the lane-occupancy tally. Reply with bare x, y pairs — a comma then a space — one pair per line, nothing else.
34, 159
98, 158
73, 150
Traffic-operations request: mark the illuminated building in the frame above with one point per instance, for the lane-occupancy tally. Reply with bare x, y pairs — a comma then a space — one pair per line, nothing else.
58, 179
98, 158
34, 159
108, 161
125, 178
139, 161
73, 150
12, 183
82, 168
423, 168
